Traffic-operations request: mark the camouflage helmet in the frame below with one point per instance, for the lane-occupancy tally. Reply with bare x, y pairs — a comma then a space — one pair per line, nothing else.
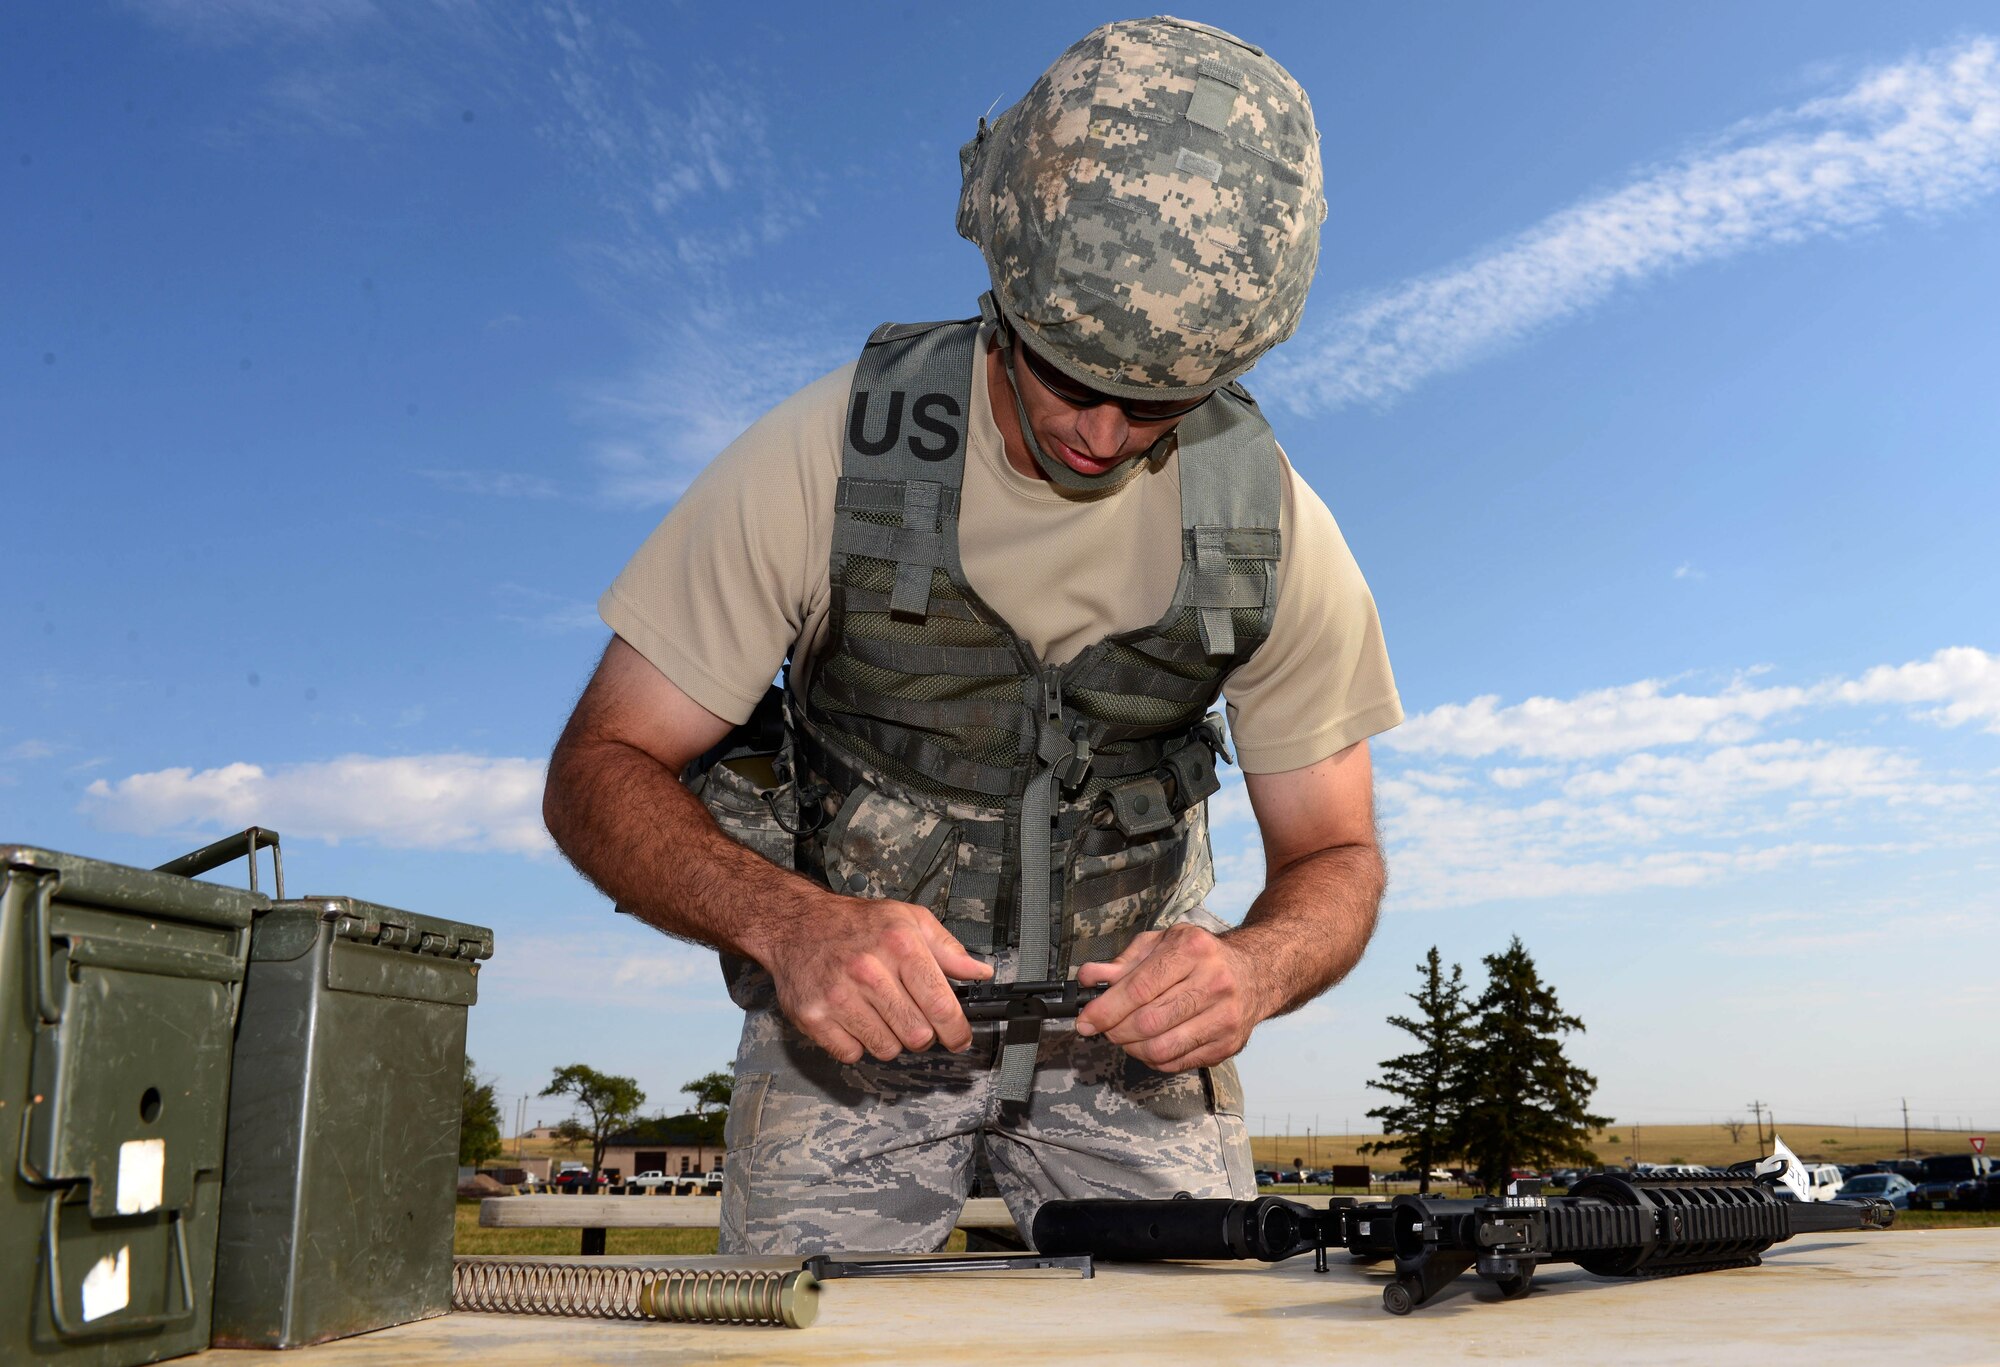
1150, 209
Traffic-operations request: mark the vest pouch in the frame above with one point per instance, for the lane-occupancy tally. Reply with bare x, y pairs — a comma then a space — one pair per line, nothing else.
1120, 885
884, 847
739, 793
733, 791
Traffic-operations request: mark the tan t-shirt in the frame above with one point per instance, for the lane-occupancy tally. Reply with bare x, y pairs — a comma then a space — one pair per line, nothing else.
735, 578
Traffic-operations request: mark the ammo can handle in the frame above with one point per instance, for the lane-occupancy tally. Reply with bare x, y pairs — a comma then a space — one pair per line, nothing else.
113, 1324
243, 845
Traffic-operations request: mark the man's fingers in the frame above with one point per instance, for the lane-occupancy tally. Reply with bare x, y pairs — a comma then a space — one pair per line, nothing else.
1153, 975
1196, 1039
828, 1028
1105, 973
951, 955
932, 994
1180, 1003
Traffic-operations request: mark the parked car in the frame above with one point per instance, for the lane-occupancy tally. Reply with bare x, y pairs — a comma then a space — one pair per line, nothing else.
1444, 1175
1266, 1178
1954, 1181
1822, 1181
650, 1180
1880, 1186
575, 1179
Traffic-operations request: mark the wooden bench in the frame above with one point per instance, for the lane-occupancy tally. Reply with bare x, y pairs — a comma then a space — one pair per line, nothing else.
595, 1214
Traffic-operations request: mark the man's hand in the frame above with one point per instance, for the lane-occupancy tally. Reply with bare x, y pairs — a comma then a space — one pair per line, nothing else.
1181, 998
857, 976
869, 976
1185, 998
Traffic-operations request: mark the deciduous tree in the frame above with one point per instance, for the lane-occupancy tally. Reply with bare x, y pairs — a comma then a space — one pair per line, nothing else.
711, 1092
608, 1102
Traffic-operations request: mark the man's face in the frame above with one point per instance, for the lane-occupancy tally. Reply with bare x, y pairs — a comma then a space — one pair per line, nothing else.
1089, 439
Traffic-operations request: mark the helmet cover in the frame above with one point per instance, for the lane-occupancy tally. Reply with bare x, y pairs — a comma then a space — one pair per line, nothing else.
1149, 211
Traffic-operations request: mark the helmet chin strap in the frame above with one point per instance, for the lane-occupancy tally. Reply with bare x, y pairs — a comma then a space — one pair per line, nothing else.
1057, 472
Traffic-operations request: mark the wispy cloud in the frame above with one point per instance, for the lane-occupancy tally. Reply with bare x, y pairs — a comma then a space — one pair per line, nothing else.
1918, 137
542, 611
694, 193
446, 801
494, 483
352, 68
229, 22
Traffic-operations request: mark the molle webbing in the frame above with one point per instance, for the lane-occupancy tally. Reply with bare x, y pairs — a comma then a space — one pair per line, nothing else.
925, 690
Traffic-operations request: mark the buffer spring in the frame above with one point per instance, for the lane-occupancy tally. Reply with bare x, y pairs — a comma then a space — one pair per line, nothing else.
687, 1295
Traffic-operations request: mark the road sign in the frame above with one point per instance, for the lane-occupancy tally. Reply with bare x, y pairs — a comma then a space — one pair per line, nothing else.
1979, 1143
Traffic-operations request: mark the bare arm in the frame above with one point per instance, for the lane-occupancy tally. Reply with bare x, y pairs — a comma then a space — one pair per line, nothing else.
1185, 998
856, 975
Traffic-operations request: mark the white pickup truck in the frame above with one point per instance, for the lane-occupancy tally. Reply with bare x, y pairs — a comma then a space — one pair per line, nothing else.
649, 1180
699, 1183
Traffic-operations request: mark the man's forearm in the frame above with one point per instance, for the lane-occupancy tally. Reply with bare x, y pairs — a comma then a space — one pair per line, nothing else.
1310, 925
646, 842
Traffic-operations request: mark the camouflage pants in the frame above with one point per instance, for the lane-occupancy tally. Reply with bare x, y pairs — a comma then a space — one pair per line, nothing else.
825, 1157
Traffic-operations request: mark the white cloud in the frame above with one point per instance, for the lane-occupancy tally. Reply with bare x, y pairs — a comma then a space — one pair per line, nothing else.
30, 749
1638, 787
619, 961
1601, 722
1964, 681
446, 801
1921, 136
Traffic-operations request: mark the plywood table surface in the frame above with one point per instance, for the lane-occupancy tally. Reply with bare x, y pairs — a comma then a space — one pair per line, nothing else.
1931, 1297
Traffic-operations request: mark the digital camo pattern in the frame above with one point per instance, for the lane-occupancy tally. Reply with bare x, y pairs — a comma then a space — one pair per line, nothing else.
878, 1157
1150, 209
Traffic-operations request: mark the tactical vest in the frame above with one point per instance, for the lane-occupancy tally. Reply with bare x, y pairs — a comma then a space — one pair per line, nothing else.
935, 758
1056, 811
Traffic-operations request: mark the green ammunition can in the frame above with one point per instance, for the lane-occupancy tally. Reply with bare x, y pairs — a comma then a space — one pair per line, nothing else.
340, 1183
118, 990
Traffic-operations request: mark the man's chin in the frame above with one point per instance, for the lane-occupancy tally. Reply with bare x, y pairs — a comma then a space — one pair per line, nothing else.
1077, 460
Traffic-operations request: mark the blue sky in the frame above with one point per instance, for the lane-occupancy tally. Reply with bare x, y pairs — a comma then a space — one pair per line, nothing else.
347, 350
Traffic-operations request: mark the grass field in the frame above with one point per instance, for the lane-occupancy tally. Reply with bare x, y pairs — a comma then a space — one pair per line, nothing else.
1624, 1144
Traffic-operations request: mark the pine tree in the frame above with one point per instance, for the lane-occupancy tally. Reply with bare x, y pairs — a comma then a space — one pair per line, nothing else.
1429, 1081
1524, 1103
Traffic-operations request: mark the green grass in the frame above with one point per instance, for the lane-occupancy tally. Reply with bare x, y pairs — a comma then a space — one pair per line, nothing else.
1947, 1219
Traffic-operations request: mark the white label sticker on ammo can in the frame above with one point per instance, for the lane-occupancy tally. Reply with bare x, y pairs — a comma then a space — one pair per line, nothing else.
142, 1172
107, 1287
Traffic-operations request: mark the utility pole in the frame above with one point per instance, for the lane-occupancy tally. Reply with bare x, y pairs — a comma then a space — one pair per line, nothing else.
1906, 1127
1757, 1111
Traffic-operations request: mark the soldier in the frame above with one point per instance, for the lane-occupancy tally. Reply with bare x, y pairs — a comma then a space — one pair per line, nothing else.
1009, 564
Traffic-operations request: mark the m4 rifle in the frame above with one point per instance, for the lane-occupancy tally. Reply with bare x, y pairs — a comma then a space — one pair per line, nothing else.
1608, 1224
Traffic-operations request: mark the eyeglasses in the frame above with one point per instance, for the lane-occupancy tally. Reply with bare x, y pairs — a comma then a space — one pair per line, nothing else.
1081, 396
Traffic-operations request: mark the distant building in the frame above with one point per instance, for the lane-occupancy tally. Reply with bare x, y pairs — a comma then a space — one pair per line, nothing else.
678, 1145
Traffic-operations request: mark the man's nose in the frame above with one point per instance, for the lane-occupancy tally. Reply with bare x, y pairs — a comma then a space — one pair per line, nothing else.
1103, 429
